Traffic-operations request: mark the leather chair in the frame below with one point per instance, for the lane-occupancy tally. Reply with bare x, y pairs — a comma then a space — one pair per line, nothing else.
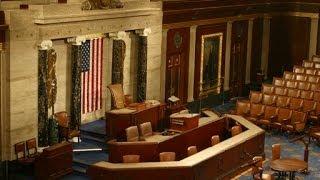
21, 157
278, 82
132, 158
316, 96
296, 104
283, 101
297, 122
257, 170
291, 84
306, 95
215, 140
192, 150
267, 89
255, 97
318, 72
308, 107
146, 130
314, 133
310, 71
293, 93
317, 65
167, 156
64, 129
276, 151
270, 115
242, 108
256, 112
235, 130
32, 148
313, 79
314, 87
269, 100
301, 77
132, 134
304, 86
298, 69
316, 58
288, 75
280, 91
120, 100
308, 64
314, 115
284, 114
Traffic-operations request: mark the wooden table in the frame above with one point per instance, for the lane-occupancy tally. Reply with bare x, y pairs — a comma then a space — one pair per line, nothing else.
290, 165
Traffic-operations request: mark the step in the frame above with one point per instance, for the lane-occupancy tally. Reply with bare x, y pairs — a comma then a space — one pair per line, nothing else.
79, 169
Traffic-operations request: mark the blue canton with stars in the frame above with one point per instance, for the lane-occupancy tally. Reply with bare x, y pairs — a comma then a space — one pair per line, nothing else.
85, 56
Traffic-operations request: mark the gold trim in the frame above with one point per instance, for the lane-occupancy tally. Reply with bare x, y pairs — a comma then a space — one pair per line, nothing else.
217, 88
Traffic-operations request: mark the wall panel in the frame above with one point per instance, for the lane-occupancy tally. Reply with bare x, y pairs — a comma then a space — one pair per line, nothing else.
256, 48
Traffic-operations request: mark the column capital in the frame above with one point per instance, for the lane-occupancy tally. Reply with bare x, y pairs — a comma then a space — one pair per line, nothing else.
118, 35
45, 45
77, 40
143, 32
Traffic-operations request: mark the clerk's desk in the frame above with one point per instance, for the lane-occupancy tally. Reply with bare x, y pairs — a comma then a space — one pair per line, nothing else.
119, 119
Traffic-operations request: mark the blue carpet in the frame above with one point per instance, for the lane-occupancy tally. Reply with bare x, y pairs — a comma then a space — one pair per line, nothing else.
97, 127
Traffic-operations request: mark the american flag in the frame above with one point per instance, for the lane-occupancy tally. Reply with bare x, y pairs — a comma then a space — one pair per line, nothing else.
91, 76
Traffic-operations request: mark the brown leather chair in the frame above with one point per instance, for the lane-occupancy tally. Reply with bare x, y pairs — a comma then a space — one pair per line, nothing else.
235, 130
192, 150
316, 58
269, 100
306, 95
280, 91
132, 134
20, 151
291, 84
270, 115
308, 64
296, 104
215, 140
167, 156
297, 122
317, 65
64, 129
314, 133
256, 112
314, 115
288, 75
318, 72
313, 79
293, 93
311, 71
301, 77
298, 69
276, 151
283, 101
284, 114
267, 89
146, 130
314, 87
132, 158
278, 82
308, 106
32, 148
316, 96
255, 97
257, 170
242, 108
304, 86
120, 100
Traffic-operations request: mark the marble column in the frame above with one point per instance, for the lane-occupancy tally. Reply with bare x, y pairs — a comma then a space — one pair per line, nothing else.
249, 50
75, 109
4, 104
163, 64
192, 56
227, 57
43, 121
313, 36
265, 46
118, 56
142, 63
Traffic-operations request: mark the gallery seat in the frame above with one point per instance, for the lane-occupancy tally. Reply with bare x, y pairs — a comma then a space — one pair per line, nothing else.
296, 104
314, 87
64, 129
284, 114
215, 140
304, 85
298, 69
301, 77
313, 79
267, 89
280, 91
32, 148
278, 82
291, 84
270, 115
167, 156
132, 134
283, 101
255, 97
316, 96
297, 122
192, 150
131, 158
314, 133
242, 108
288, 75
306, 95
308, 64
310, 71
256, 112
145, 130
269, 100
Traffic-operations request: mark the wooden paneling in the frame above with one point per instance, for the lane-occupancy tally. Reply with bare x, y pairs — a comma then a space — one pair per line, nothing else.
289, 43
257, 35
177, 63
204, 30
238, 57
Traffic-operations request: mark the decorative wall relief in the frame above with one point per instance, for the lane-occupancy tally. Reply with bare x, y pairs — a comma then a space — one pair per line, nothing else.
101, 4
142, 68
211, 60
118, 55
42, 98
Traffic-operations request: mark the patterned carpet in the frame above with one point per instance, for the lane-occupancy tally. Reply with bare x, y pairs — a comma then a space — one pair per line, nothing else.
295, 150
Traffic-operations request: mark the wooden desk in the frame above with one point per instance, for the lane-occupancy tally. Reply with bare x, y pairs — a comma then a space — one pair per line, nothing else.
290, 165
116, 122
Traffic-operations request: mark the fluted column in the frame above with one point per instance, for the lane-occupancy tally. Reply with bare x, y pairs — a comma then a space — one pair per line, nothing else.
313, 36
43, 139
142, 63
249, 50
75, 109
192, 57
227, 57
265, 46
118, 56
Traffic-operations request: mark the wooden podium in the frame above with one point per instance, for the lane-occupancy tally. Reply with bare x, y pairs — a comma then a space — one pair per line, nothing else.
184, 122
117, 121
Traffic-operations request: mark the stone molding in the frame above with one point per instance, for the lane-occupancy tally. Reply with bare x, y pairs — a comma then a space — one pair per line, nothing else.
143, 32
120, 35
77, 40
45, 45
